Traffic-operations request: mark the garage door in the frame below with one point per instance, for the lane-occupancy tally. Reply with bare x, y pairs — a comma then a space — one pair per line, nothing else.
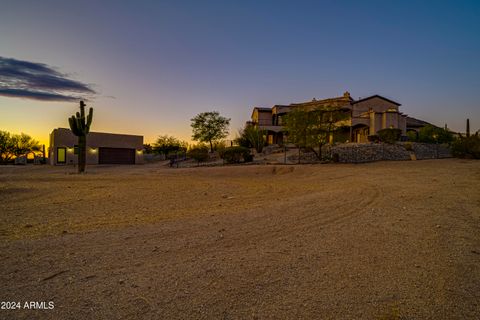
116, 156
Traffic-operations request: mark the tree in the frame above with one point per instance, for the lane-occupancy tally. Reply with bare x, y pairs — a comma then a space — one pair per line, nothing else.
80, 127
252, 137
6, 146
24, 144
15, 145
209, 127
166, 144
309, 129
147, 147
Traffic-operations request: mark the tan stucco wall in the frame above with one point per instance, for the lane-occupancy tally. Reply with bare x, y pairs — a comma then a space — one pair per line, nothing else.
262, 117
62, 137
376, 104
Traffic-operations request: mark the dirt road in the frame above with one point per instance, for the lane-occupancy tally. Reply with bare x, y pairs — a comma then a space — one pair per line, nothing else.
387, 240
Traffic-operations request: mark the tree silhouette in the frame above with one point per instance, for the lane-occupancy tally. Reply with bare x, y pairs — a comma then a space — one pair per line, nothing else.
209, 127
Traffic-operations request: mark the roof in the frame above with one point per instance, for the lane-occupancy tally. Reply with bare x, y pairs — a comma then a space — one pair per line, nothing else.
263, 109
376, 96
102, 133
259, 109
412, 122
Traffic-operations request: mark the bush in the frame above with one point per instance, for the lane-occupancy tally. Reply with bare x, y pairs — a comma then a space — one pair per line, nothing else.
373, 138
389, 135
466, 147
236, 154
408, 146
412, 135
432, 134
252, 137
198, 153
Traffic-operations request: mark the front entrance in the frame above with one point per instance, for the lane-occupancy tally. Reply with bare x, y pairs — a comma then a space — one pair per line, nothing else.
360, 134
116, 156
61, 155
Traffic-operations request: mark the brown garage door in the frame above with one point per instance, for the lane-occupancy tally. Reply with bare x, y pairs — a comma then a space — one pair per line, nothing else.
116, 156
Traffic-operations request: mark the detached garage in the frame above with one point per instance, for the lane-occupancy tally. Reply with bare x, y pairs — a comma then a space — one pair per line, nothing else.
116, 156
102, 148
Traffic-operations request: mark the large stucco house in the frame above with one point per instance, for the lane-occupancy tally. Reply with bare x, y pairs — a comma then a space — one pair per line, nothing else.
102, 148
366, 117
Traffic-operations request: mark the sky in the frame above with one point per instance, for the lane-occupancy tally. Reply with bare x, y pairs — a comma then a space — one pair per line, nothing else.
148, 67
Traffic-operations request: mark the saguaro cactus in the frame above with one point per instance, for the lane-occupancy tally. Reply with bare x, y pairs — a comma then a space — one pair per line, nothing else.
80, 127
468, 128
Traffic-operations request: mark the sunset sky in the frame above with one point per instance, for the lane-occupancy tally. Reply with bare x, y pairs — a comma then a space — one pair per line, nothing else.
148, 67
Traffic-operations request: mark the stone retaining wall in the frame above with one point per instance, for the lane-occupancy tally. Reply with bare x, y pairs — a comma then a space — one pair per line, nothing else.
367, 152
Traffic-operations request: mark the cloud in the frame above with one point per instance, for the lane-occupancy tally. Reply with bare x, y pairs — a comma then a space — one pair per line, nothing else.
38, 81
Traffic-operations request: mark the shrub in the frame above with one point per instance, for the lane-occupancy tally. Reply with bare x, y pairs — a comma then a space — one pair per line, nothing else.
466, 147
408, 146
432, 134
373, 138
236, 154
412, 135
252, 137
199, 153
389, 135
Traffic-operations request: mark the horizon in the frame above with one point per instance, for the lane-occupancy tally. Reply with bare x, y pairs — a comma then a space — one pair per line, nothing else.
148, 68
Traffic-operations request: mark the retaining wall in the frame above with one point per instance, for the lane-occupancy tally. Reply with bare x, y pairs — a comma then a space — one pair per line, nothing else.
367, 152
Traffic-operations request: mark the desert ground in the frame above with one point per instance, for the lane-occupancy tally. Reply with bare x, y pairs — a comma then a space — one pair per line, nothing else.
385, 240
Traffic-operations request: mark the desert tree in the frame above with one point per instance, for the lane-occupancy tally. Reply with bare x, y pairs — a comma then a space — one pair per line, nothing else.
6, 146
251, 137
310, 129
80, 126
209, 127
166, 144
147, 148
24, 144
15, 145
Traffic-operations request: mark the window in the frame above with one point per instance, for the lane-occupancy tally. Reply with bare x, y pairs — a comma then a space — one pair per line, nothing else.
61, 155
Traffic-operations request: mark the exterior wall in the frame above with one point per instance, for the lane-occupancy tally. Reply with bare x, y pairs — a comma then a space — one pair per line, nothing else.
262, 117
376, 104
390, 120
402, 124
62, 137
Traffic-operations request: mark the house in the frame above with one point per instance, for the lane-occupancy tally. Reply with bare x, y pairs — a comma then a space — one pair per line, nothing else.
366, 117
102, 148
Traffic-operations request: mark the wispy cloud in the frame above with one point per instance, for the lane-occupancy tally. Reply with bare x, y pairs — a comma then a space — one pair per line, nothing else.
38, 81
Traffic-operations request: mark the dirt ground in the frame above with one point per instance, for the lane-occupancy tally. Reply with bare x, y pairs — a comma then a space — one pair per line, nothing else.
386, 240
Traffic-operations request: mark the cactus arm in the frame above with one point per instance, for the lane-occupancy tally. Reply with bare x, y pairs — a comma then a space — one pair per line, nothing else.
89, 119
73, 125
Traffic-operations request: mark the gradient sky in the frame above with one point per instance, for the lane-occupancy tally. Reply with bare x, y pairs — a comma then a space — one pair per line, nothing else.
156, 64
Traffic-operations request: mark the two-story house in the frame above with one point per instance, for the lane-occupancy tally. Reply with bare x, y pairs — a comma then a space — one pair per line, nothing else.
366, 117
